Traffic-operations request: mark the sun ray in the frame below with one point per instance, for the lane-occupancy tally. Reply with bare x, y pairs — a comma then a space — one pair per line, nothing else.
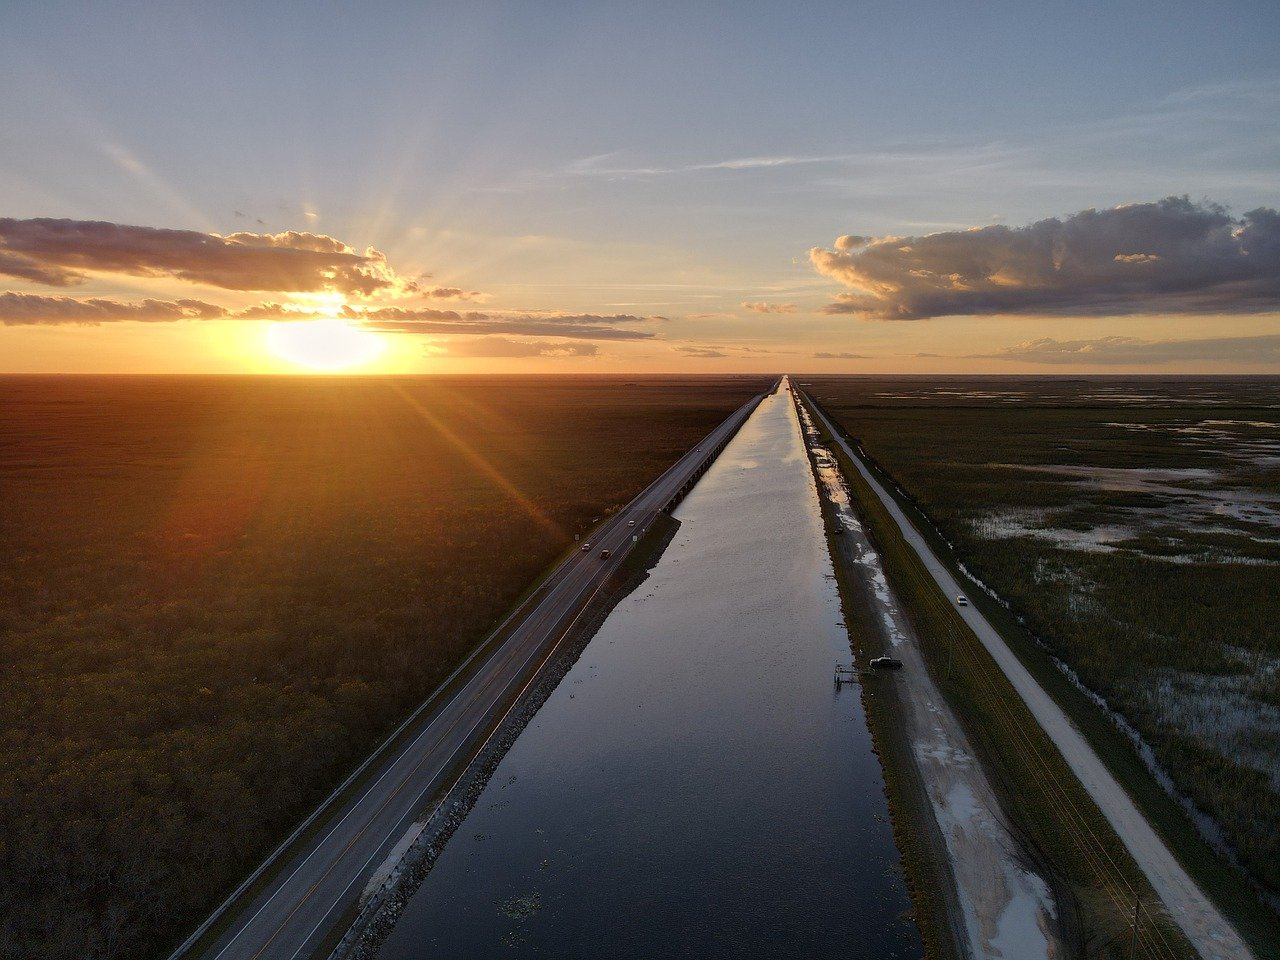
488, 469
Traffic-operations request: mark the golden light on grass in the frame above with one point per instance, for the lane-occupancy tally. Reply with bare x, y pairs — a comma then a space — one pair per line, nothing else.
327, 345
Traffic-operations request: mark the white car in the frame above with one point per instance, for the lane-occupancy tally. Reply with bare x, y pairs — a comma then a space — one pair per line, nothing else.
586, 548
631, 523
962, 601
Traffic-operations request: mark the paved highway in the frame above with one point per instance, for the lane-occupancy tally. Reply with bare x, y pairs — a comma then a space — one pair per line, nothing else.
1208, 930
323, 879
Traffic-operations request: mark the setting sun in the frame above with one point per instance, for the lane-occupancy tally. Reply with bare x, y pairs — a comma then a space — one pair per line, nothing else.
327, 345
425, 422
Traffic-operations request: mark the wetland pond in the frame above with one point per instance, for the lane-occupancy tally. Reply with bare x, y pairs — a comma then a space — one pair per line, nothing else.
695, 786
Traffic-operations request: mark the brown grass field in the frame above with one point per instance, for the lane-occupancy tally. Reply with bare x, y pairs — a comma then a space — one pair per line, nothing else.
217, 594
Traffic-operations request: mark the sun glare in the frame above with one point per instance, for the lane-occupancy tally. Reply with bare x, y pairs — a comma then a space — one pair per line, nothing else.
327, 345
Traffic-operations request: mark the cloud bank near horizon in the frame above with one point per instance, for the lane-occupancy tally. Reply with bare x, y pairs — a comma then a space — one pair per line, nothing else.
25, 309
64, 253
504, 347
1134, 351
585, 326
1171, 256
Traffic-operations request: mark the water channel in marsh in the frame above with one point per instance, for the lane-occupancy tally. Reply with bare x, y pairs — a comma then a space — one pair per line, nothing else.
695, 786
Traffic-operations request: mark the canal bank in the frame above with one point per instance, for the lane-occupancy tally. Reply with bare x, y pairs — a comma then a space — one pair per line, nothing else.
978, 888
694, 786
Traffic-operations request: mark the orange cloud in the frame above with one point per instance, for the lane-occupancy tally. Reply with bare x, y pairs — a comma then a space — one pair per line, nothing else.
761, 307
505, 347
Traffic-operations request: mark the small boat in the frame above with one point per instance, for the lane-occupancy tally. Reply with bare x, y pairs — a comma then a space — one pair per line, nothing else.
886, 663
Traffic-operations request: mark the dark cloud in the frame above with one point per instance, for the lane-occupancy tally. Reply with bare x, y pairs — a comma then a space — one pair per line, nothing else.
21, 309
61, 253
762, 307
1173, 256
823, 355
706, 352
24, 268
1133, 351
504, 347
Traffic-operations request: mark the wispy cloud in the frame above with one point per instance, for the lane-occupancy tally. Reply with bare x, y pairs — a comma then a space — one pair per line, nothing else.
583, 326
708, 353
824, 355
763, 307
1172, 256
452, 293
1131, 351
1264, 91
505, 347
608, 165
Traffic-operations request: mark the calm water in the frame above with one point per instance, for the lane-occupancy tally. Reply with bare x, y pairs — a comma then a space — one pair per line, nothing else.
694, 787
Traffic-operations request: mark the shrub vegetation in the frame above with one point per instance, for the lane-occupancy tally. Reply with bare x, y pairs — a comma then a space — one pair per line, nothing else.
1166, 603
217, 594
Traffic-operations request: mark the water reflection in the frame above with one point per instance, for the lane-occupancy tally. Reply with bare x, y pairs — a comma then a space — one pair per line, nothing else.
694, 787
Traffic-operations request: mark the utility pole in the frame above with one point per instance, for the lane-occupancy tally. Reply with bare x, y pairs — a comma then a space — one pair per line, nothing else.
1137, 917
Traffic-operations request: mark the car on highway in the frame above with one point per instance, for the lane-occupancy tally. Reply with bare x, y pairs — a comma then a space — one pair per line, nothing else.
605, 554
631, 523
586, 548
962, 601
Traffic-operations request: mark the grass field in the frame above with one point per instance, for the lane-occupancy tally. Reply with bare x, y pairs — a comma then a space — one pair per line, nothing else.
1133, 527
217, 593
1059, 827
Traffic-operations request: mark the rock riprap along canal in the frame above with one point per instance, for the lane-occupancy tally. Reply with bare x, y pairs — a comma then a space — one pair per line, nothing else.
695, 786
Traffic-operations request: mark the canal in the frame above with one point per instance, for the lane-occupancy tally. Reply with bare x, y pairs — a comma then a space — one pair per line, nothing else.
695, 786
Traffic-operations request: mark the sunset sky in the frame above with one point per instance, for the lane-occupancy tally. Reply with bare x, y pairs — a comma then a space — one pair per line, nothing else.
465, 187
